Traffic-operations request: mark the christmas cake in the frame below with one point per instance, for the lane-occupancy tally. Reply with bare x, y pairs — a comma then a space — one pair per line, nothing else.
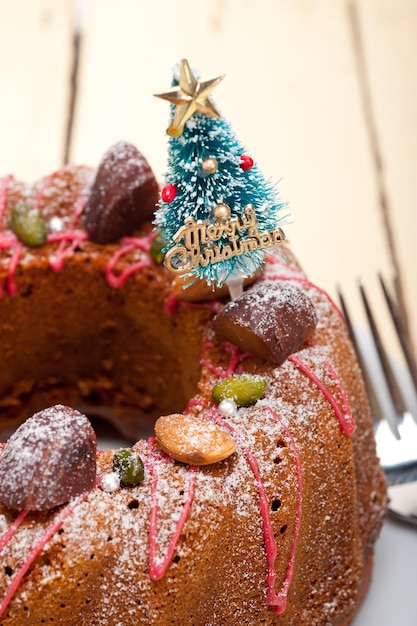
251, 493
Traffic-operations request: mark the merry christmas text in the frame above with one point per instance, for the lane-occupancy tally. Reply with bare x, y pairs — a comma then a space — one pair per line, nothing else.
199, 247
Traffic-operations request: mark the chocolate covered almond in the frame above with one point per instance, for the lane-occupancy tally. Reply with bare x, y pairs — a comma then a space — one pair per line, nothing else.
49, 460
123, 195
270, 320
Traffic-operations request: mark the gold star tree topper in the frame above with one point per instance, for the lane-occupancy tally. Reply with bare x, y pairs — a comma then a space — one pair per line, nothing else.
190, 96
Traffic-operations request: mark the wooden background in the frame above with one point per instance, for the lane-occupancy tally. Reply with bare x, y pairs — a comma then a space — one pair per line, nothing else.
322, 92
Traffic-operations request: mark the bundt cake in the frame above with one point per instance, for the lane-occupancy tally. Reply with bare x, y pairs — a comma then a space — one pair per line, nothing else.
258, 501
250, 492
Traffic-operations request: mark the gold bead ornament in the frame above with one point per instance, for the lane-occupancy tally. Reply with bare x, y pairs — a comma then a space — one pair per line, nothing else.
209, 165
221, 212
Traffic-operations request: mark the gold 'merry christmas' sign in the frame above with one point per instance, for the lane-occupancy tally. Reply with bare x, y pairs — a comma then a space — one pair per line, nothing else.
199, 248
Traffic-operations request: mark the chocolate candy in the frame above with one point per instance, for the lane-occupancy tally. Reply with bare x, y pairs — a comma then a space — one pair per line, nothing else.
123, 195
48, 461
270, 320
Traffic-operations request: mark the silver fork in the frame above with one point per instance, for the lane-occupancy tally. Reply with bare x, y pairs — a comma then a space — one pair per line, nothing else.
394, 413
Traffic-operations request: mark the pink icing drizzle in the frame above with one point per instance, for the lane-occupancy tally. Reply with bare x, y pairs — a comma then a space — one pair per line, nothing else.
218, 371
75, 237
128, 245
6, 240
307, 283
14, 261
276, 599
340, 388
10, 532
3, 194
236, 357
44, 186
194, 402
157, 567
279, 600
294, 275
172, 302
37, 548
347, 425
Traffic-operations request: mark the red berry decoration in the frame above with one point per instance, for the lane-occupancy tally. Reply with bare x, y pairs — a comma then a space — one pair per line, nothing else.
246, 162
168, 192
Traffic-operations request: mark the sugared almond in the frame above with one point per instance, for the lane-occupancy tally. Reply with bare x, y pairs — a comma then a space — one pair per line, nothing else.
200, 290
192, 440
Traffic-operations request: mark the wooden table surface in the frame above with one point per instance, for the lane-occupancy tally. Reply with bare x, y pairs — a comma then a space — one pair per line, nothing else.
322, 92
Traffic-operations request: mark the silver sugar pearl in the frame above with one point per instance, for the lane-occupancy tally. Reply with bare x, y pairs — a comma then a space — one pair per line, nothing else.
56, 224
227, 407
110, 482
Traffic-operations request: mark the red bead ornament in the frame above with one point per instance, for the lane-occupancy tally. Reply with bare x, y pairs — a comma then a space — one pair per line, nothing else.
168, 192
246, 162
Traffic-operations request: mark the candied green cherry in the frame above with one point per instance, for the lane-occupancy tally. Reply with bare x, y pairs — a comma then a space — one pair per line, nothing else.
28, 225
244, 389
157, 245
128, 464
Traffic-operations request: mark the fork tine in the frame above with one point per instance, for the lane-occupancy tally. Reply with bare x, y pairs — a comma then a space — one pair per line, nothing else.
369, 386
401, 332
393, 388
391, 415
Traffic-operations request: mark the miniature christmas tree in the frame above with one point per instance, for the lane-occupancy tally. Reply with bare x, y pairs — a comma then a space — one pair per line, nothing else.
217, 212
